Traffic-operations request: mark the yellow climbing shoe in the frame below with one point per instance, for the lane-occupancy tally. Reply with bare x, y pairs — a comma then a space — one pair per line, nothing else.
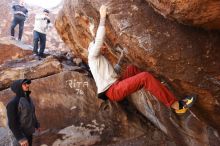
186, 103
181, 111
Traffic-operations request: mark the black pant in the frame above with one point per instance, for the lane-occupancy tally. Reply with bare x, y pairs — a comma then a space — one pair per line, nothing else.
42, 38
18, 20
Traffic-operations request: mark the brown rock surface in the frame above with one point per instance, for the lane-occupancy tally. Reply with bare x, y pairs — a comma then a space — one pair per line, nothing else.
202, 13
28, 69
188, 129
187, 57
11, 50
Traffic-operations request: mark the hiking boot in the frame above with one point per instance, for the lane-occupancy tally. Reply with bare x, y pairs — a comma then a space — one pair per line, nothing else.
20, 41
12, 38
35, 53
39, 57
187, 102
42, 55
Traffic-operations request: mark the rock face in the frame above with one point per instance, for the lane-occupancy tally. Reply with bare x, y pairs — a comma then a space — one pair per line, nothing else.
188, 129
11, 51
53, 39
187, 58
203, 13
21, 64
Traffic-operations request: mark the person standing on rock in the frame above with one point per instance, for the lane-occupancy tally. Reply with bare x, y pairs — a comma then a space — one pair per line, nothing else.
40, 27
111, 87
20, 15
21, 113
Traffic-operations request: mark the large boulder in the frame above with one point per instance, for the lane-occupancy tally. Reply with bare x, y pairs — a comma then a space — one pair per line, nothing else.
186, 57
31, 69
202, 13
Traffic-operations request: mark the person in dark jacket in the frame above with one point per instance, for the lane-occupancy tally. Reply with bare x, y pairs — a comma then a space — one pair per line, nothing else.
21, 113
20, 15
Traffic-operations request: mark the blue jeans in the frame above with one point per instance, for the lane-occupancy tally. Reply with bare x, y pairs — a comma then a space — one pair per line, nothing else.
42, 38
18, 20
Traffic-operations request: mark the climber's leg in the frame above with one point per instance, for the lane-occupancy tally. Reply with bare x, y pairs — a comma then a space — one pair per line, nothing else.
129, 85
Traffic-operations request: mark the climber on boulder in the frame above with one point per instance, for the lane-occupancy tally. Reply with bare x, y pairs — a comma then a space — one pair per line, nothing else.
111, 87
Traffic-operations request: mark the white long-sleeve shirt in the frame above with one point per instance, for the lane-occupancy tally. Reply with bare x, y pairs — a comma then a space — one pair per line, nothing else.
41, 24
100, 67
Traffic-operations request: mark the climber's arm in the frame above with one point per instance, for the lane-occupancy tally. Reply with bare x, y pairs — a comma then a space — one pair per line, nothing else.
95, 48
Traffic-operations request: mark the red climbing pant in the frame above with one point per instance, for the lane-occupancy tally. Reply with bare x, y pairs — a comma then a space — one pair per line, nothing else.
133, 80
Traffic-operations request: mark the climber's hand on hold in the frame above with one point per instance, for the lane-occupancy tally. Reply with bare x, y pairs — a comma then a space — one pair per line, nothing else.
103, 11
122, 54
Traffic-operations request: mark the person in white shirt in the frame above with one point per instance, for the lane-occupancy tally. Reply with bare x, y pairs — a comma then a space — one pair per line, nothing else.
111, 87
40, 28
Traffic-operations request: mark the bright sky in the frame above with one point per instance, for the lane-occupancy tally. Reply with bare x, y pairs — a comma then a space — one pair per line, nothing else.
43, 3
